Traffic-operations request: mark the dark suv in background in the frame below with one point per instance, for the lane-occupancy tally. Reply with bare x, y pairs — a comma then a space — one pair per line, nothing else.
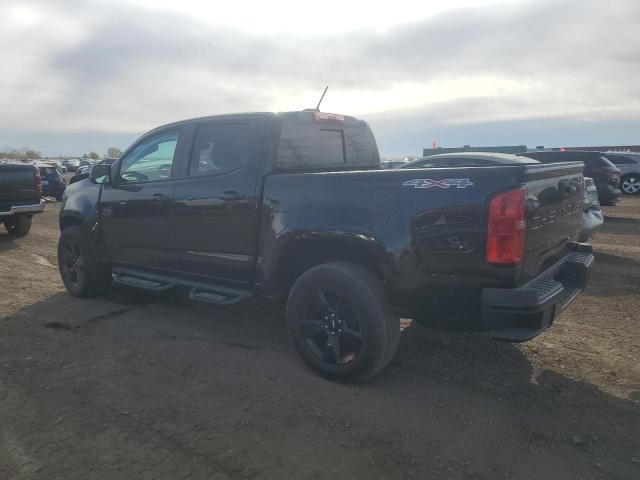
605, 174
53, 184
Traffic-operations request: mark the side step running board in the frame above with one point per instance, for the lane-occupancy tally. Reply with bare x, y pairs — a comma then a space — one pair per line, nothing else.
219, 295
147, 284
204, 292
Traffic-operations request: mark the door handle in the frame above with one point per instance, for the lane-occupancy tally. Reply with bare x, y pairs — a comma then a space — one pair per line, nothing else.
232, 195
159, 197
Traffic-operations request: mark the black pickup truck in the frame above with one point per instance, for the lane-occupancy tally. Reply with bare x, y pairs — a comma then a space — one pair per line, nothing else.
295, 206
20, 196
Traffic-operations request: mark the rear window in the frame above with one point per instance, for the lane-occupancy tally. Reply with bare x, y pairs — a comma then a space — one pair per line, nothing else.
47, 171
317, 145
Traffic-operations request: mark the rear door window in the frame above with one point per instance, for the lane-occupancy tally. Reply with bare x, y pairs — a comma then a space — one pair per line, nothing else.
220, 148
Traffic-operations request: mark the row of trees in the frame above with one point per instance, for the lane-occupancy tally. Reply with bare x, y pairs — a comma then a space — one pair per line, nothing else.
31, 154
112, 152
24, 154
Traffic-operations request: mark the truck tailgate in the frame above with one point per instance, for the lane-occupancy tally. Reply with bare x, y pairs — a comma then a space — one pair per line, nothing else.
555, 195
17, 184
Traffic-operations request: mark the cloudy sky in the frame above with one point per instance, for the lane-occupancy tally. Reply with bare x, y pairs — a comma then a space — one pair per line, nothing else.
80, 75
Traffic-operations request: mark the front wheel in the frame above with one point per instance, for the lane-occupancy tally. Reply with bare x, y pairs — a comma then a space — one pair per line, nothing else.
18, 225
341, 322
82, 274
630, 184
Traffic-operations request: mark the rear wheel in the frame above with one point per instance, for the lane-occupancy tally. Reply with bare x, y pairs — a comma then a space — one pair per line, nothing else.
630, 184
341, 322
81, 273
18, 225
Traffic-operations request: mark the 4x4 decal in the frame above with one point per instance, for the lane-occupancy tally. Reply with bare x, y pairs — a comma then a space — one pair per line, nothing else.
446, 183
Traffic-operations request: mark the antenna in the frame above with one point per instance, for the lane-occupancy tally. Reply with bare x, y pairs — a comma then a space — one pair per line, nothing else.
322, 97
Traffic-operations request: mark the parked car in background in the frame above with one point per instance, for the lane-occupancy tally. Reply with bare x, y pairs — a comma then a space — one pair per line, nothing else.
295, 206
53, 184
85, 163
467, 159
605, 174
71, 164
386, 164
58, 163
629, 165
592, 216
20, 196
83, 171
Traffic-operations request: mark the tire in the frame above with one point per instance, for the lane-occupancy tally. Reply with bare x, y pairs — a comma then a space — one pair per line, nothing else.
18, 225
341, 322
630, 184
82, 275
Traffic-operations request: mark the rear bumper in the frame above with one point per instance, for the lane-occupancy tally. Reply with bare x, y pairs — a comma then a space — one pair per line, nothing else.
520, 314
23, 209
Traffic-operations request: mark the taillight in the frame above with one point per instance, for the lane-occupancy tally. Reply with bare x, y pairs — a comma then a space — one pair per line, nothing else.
506, 230
37, 180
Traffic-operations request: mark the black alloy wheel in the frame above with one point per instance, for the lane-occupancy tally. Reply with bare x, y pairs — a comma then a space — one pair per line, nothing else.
82, 274
331, 329
341, 322
72, 265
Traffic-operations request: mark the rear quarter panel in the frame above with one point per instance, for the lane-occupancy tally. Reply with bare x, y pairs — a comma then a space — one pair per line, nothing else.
421, 223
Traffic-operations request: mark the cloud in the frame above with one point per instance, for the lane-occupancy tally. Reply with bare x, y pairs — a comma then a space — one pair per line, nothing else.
89, 65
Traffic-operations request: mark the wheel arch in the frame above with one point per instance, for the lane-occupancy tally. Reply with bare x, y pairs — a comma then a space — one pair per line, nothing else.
70, 220
302, 252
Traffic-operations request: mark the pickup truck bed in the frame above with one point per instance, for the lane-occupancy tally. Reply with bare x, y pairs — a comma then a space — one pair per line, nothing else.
294, 206
427, 243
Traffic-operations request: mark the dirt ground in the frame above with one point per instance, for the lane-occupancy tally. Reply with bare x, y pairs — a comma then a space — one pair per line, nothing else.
141, 386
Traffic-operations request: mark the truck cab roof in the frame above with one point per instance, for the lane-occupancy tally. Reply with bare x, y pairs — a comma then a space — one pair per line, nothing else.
306, 140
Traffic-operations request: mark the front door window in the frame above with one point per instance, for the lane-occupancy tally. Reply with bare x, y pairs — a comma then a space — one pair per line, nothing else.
151, 160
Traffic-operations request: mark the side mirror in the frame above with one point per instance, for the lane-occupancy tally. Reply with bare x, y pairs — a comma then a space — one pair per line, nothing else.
100, 173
